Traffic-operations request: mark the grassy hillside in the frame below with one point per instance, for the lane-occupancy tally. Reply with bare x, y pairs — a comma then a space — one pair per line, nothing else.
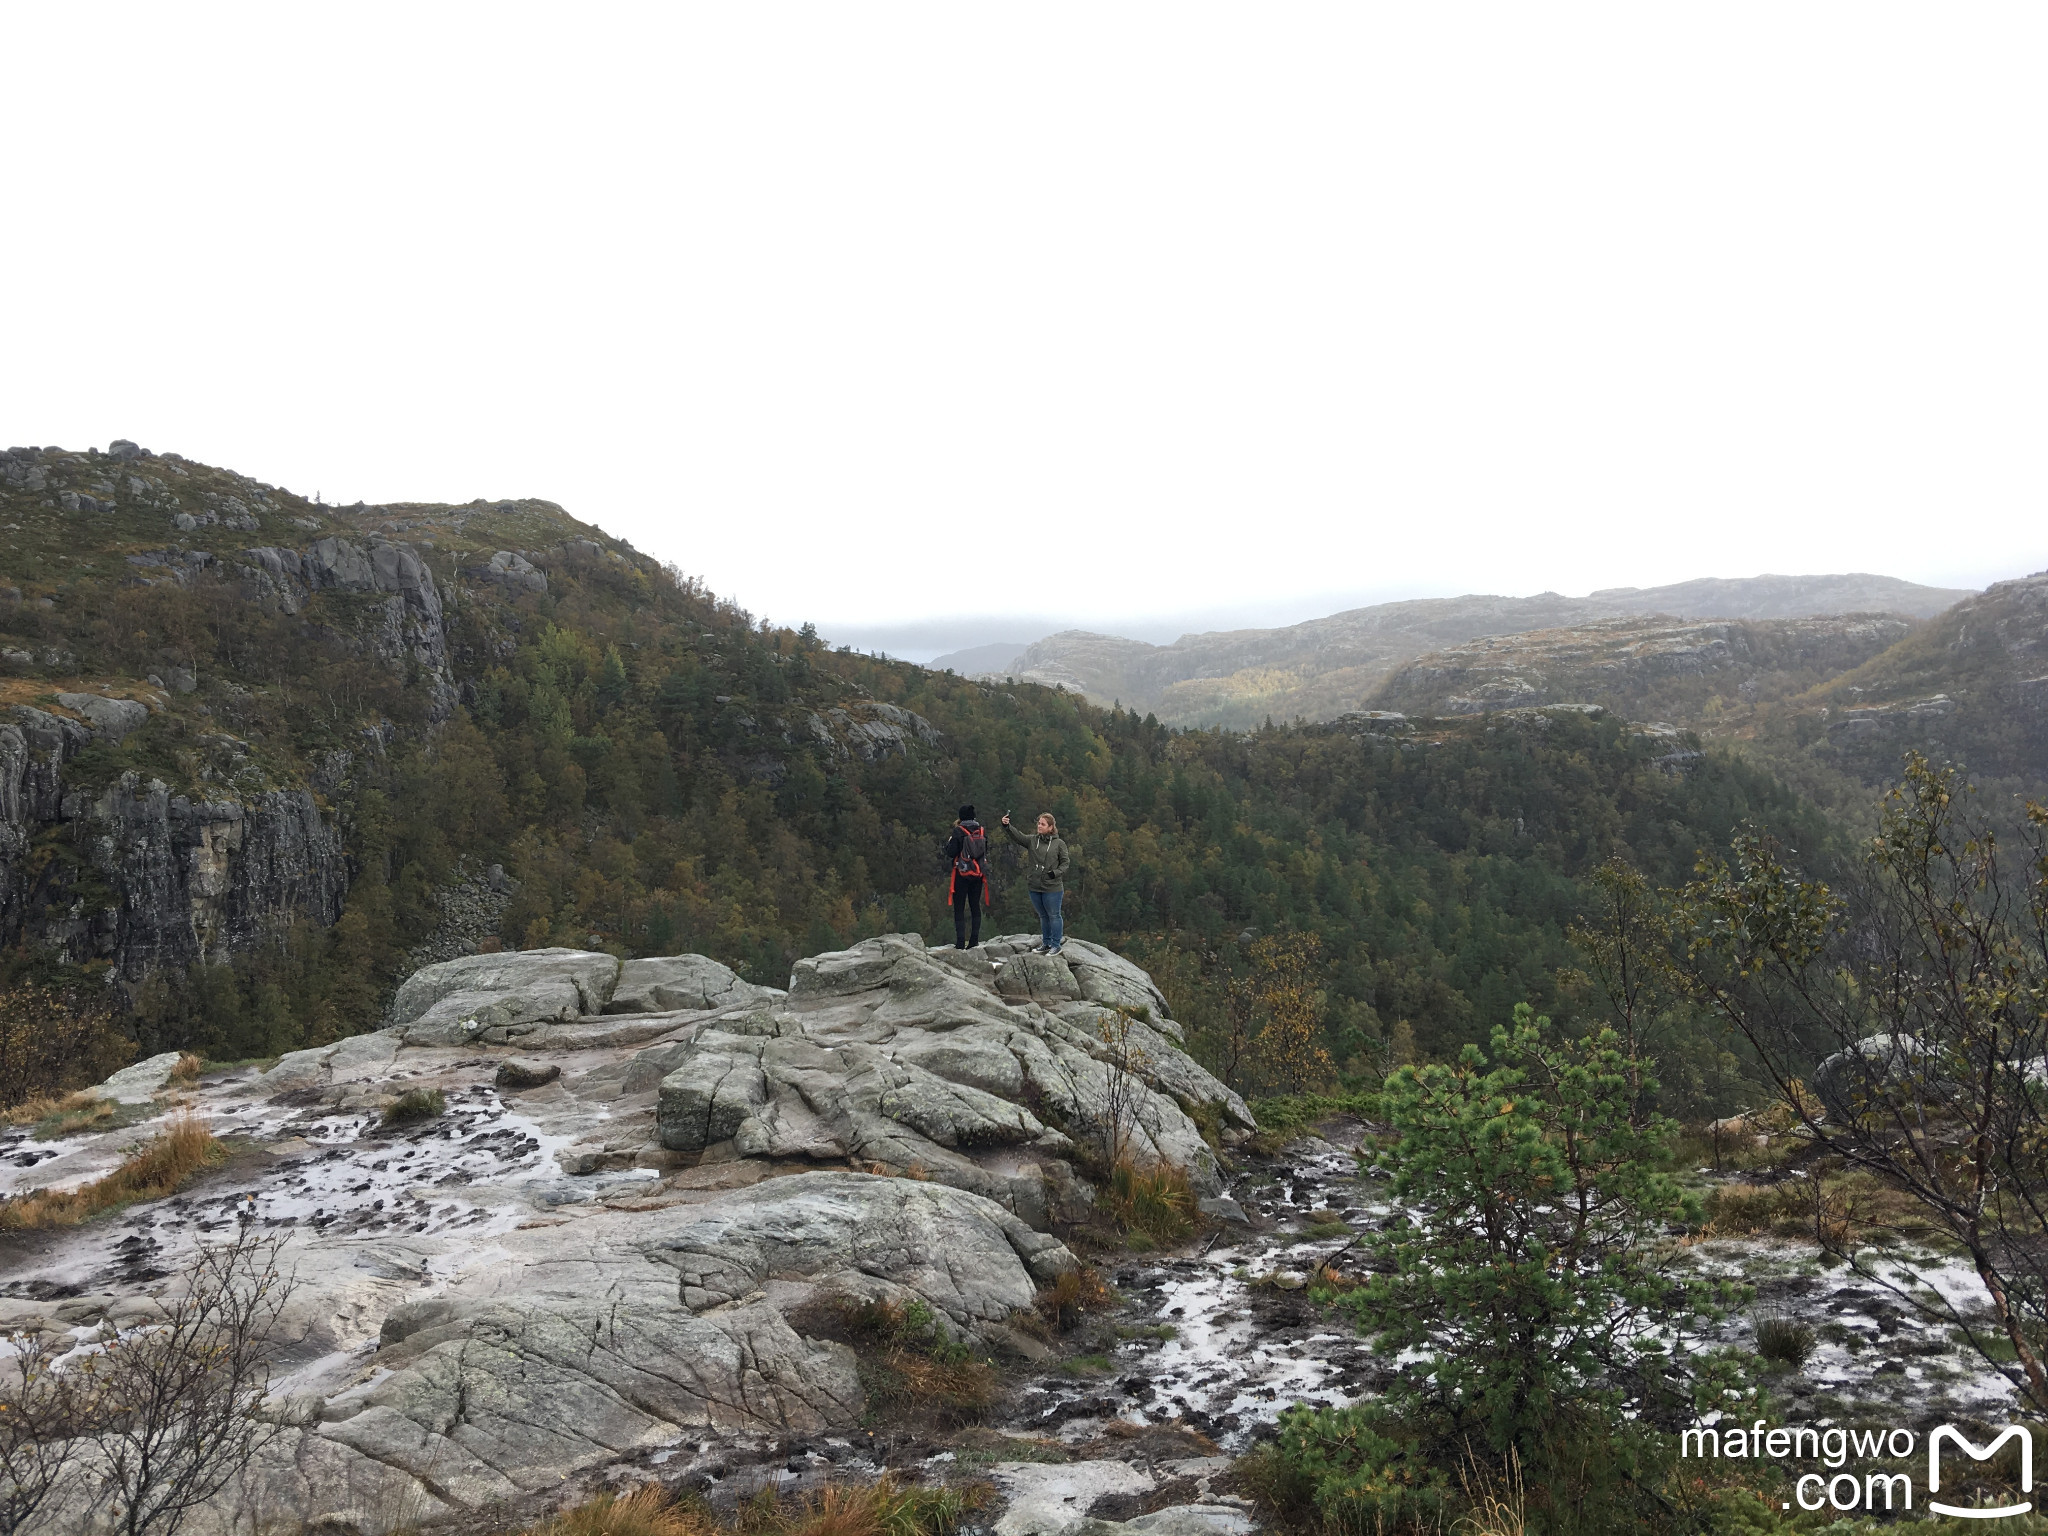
656, 772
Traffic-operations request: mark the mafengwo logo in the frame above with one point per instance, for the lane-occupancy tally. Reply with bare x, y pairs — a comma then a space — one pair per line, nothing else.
1948, 1448
1949, 1433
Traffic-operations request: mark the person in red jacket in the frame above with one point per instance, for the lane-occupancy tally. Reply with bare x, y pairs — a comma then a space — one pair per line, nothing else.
967, 852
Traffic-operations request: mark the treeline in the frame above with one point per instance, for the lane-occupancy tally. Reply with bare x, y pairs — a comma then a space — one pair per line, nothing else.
641, 758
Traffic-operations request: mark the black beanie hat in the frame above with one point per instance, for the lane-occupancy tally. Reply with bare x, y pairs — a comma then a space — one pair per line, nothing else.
967, 813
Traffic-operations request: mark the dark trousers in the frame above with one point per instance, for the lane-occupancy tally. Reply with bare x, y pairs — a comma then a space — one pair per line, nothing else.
966, 899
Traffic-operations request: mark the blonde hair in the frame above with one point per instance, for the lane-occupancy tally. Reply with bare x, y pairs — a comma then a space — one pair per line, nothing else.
1048, 816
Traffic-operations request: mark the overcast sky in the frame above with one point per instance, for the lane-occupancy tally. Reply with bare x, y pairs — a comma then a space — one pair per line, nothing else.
1111, 315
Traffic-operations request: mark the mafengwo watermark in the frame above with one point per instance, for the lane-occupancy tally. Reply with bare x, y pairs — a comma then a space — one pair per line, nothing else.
1892, 1486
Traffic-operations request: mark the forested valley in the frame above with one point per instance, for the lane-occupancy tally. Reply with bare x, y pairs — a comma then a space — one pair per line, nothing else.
654, 770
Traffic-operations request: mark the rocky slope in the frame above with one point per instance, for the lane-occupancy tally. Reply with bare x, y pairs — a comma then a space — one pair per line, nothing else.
1690, 674
647, 1177
608, 1262
1971, 685
1326, 666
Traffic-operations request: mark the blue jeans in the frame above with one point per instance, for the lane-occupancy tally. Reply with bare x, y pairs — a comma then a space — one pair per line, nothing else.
1047, 905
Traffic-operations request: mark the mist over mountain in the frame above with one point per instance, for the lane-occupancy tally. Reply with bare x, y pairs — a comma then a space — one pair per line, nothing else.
976, 660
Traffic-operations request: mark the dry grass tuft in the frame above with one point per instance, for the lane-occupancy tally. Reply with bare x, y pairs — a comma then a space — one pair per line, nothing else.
958, 1391
187, 1068
54, 1118
28, 1111
1837, 1209
1499, 1503
161, 1167
883, 1508
1076, 1292
1157, 1201
644, 1512
1329, 1278
1785, 1340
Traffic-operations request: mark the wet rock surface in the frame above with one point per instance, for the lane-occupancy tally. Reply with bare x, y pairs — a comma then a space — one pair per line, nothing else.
605, 1261
540, 1277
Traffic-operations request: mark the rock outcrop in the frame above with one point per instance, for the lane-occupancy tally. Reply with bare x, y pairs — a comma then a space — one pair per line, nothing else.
979, 1068
406, 630
499, 998
620, 1231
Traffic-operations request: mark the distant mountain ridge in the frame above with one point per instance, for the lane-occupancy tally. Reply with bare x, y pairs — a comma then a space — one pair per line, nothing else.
980, 660
1322, 667
1782, 597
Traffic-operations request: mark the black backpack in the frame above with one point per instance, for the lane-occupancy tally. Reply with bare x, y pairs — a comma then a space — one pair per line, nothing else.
973, 849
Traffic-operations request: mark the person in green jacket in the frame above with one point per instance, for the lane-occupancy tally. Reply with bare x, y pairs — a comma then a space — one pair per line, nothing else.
1048, 857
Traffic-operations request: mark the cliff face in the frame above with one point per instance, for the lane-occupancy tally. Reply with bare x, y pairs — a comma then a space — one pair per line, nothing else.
160, 806
142, 877
405, 627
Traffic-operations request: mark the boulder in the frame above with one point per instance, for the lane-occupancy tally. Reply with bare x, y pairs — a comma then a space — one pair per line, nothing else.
109, 718
862, 1236
140, 1083
514, 570
671, 982
1848, 1081
525, 1072
498, 997
332, 562
356, 1059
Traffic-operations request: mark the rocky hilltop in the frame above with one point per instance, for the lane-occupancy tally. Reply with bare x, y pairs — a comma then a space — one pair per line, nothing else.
1324, 667
200, 673
650, 1186
1690, 674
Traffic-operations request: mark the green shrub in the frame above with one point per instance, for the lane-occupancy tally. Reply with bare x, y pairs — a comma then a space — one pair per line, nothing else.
1527, 1308
1785, 1340
1349, 1467
1299, 1111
